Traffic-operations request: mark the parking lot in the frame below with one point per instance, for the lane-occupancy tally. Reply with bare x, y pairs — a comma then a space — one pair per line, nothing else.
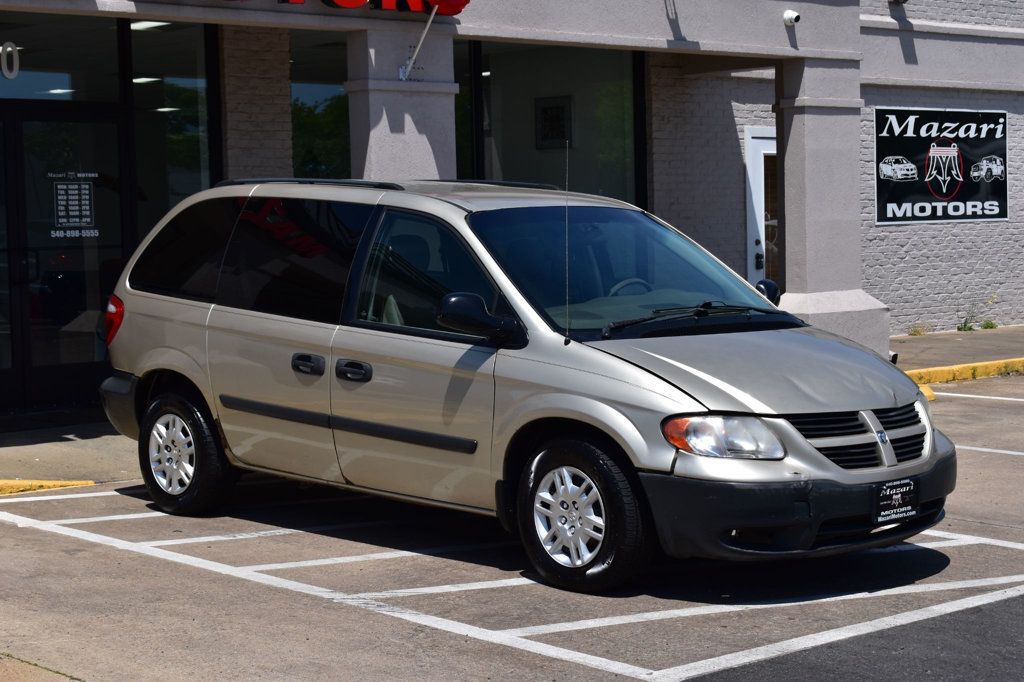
290, 580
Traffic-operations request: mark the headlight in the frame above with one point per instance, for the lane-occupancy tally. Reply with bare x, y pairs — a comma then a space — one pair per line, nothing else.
737, 437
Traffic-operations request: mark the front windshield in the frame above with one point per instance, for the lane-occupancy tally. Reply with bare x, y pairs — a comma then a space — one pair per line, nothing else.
622, 265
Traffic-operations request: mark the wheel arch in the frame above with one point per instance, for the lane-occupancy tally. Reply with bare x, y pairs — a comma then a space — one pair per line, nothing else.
529, 437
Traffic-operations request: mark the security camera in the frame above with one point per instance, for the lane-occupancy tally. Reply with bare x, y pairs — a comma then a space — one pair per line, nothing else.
789, 17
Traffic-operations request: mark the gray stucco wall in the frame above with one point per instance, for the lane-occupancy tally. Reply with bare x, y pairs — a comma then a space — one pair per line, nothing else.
988, 13
696, 156
933, 273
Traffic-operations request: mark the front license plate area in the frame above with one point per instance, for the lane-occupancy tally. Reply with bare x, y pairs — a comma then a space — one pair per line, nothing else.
895, 501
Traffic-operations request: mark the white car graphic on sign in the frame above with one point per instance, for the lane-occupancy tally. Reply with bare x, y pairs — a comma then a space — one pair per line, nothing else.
897, 168
989, 168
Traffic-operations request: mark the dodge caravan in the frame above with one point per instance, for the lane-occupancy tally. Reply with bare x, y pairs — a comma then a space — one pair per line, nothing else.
569, 364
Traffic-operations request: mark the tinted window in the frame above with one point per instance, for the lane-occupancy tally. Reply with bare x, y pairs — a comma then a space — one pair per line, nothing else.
414, 263
184, 259
292, 257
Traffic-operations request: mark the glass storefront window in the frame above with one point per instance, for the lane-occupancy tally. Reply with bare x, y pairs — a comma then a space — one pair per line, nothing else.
537, 97
465, 147
64, 58
320, 133
169, 89
5, 292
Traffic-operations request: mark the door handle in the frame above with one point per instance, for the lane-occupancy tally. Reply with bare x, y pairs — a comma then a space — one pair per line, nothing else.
353, 370
759, 261
305, 363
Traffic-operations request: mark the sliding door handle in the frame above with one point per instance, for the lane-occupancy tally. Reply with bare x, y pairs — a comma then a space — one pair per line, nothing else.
353, 370
305, 363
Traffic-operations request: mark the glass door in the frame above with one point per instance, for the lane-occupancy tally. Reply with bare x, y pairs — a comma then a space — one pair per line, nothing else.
7, 379
69, 254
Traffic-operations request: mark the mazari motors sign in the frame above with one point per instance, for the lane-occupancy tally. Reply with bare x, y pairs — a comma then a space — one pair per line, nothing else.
939, 165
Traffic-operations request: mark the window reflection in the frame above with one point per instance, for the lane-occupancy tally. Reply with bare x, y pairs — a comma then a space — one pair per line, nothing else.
169, 89
63, 58
320, 133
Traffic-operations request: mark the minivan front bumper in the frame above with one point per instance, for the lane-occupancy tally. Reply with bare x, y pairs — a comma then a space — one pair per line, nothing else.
751, 521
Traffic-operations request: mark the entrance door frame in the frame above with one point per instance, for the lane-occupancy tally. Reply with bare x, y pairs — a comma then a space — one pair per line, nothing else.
759, 142
36, 387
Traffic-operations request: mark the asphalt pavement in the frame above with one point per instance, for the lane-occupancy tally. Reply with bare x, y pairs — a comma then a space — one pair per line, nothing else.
291, 581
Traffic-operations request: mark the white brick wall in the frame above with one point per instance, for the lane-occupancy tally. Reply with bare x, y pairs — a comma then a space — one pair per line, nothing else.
257, 101
988, 13
929, 273
696, 168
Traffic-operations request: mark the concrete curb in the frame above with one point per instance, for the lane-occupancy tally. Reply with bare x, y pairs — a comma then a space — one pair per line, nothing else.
964, 372
12, 487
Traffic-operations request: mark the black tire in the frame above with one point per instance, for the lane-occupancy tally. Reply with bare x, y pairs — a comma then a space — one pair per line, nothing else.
212, 474
625, 546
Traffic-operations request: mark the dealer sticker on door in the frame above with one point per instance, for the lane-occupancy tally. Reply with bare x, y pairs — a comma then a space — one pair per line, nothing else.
896, 500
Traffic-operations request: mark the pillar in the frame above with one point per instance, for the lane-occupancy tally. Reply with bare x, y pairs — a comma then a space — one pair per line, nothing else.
819, 145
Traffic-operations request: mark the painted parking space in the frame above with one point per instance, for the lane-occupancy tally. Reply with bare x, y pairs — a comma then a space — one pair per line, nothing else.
451, 591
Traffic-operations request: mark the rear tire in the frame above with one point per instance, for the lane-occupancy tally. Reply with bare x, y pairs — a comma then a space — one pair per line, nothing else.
580, 518
182, 461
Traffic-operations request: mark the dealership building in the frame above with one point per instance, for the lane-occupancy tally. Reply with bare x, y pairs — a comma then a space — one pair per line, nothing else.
867, 156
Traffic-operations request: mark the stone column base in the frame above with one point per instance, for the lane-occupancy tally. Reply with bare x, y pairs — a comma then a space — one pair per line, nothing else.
853, 313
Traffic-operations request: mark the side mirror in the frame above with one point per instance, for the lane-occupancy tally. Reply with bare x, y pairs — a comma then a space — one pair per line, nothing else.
467, 313
769, 290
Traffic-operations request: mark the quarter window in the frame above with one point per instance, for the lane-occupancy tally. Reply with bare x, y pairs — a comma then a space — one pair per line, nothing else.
292, 257
414, 263
184, 258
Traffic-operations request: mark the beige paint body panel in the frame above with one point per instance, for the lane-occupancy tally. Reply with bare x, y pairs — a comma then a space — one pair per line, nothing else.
250, 356
440, 387
162, 333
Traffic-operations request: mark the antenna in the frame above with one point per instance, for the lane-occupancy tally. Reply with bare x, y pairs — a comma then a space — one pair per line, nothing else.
567, 339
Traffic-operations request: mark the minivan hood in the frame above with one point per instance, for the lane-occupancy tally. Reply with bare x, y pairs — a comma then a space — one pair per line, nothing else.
780, 371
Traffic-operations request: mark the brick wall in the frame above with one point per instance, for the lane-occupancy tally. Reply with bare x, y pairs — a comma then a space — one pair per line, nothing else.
989, 13
697, 174
257, 102
933, 273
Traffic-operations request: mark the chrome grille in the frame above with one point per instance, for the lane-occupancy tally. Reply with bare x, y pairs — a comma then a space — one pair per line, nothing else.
848, 439
898, 417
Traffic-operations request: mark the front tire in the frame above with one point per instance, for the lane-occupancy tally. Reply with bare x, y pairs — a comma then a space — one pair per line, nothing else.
182, 462
580, 518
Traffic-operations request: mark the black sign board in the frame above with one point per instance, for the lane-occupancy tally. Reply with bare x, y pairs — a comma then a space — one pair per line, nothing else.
939, 165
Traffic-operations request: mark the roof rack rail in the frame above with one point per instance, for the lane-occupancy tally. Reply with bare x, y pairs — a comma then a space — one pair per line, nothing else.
502, 183
371, 184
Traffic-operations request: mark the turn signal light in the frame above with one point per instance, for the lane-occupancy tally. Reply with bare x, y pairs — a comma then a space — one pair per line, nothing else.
113, 316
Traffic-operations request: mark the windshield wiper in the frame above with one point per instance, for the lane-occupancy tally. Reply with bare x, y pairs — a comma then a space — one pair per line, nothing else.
703, 310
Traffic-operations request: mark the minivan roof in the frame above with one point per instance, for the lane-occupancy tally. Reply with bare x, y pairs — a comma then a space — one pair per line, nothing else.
469, 195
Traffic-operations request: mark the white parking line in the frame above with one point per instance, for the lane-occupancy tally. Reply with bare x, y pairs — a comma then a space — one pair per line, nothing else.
672, 614
974, 448
261, 534
444, 624
979, 397
974, 538
909, 546
112, 517
72, 496
445, 589
789, 646
377, 556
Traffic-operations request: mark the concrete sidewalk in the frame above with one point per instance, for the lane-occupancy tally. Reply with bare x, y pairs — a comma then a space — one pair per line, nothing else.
957, 348
92, 452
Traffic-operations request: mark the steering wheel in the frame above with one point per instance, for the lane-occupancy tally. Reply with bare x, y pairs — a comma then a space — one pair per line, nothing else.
629, 282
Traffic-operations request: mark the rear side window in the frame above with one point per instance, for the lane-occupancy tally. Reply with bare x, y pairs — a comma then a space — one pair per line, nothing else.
292, 257
184, 258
